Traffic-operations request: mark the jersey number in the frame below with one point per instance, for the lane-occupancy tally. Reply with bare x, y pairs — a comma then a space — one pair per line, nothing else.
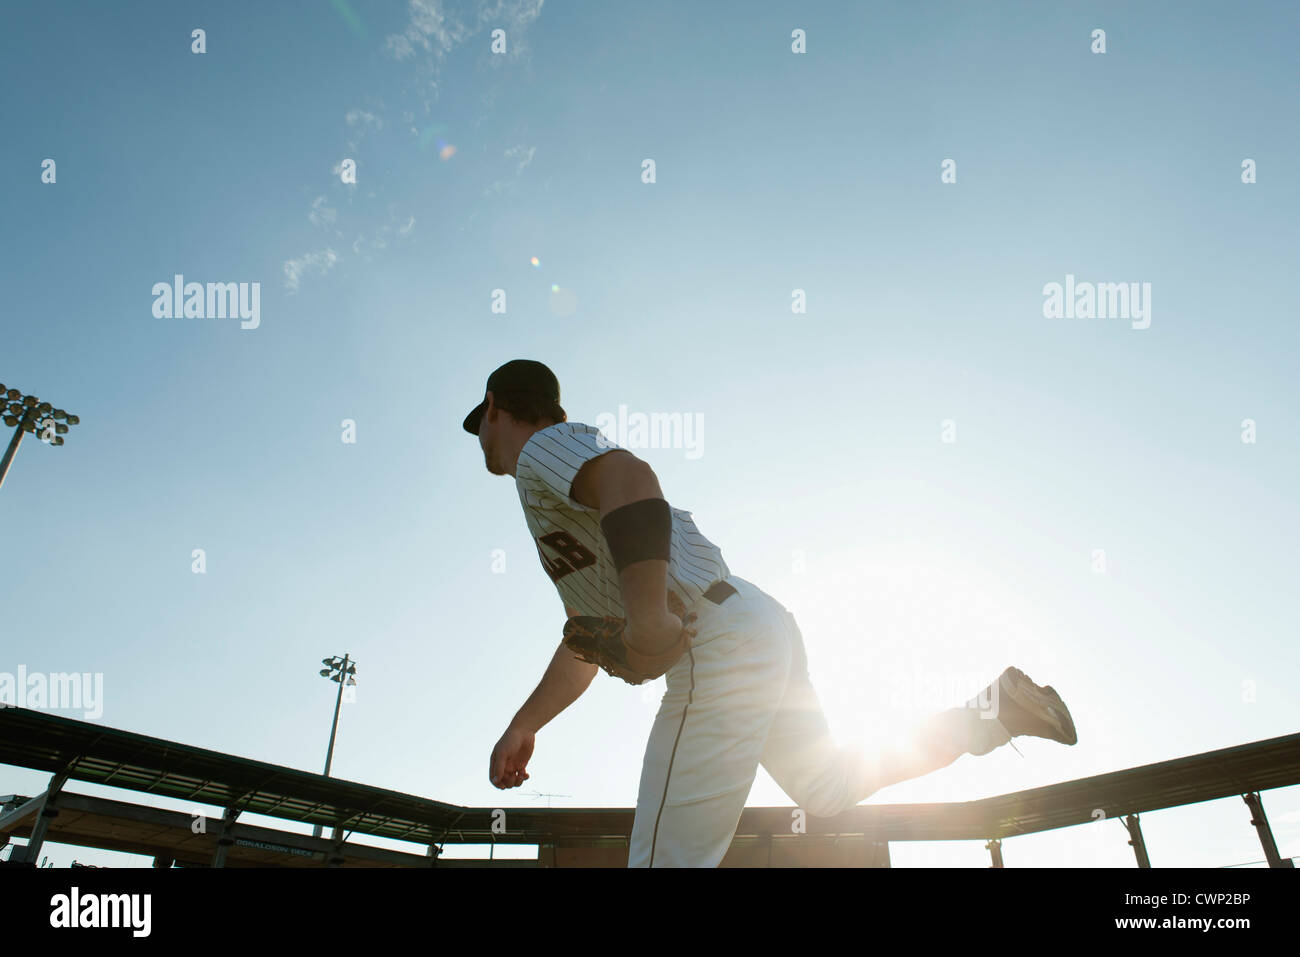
571, 555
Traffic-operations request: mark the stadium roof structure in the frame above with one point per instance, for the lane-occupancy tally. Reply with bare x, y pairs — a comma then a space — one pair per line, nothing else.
84, 751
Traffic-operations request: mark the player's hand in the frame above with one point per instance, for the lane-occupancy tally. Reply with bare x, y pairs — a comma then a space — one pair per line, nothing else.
510, 758
652, 635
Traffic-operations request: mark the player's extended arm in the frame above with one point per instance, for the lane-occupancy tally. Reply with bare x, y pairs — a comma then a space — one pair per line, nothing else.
609, 482
566, 678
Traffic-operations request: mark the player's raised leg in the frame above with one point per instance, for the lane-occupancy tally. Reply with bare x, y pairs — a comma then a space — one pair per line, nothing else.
825, 779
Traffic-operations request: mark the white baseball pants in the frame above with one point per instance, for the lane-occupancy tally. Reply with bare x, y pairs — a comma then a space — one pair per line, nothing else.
741, 697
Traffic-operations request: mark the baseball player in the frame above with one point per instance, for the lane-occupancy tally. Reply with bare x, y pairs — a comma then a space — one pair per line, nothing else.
647, 595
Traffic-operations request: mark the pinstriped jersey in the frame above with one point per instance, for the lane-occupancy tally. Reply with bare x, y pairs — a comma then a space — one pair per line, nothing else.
568, 536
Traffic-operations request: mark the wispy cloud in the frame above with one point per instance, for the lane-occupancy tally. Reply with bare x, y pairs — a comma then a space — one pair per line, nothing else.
364, 119
319, 263
522, 156
436, 27
400, 225
433, 30
322, 213
361, 122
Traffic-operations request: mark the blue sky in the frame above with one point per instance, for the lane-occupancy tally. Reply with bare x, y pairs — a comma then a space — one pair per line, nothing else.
823, 474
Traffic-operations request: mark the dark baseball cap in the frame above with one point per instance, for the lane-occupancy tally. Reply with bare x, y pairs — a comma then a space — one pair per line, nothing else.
517, 375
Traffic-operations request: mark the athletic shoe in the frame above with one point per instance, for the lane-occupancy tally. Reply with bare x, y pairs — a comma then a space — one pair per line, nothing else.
1024, 708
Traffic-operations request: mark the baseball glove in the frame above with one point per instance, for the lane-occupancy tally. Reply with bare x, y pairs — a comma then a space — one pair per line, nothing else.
599, 641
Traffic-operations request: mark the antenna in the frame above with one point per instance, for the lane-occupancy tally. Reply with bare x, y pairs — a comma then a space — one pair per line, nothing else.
543, 794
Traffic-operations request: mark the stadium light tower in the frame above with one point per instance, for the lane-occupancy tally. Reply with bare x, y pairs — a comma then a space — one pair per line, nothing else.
336, 670
27, 413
